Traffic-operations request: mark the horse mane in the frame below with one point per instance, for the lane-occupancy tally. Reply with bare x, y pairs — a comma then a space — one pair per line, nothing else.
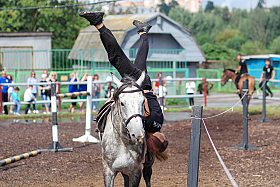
232, 70
127, 81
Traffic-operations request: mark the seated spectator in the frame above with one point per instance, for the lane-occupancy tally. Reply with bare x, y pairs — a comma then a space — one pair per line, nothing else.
15, 98
45, 94
73, 88
29, 97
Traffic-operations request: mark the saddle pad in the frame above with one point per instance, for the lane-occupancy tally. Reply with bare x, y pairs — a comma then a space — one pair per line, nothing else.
102, 115
244, 74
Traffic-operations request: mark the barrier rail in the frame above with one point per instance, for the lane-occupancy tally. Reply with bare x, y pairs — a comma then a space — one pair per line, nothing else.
19, 157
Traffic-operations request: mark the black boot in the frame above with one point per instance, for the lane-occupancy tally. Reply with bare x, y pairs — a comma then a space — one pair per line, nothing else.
142, 27
94, 18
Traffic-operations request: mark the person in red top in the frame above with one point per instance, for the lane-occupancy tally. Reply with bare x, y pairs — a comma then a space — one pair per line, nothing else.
156, 84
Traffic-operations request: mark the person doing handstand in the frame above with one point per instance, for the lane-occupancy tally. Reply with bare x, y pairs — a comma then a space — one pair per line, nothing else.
156, 141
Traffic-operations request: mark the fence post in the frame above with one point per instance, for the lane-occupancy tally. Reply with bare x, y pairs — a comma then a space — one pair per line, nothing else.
205, 92
1, 101
59, 99
245, 145
55, 146
264, 119
194, 146
87, 137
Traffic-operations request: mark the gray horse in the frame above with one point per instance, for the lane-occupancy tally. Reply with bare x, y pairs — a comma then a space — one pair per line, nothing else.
123, 142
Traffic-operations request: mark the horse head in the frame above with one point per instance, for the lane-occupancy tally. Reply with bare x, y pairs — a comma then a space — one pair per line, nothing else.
225, 77
129, 104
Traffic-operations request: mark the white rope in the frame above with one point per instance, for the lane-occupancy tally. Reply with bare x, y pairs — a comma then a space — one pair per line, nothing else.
233, 182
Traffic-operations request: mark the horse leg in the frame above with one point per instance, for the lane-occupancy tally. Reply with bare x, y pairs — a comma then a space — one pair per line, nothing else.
109, 177
126, 180
137, 177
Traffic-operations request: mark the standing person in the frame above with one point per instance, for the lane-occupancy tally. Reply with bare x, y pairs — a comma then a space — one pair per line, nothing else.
266, 73
96, 90
46, 72
53, 78
32, 79
190, 89
10, 91
156, 141
156, 84
242, 68
5, 79
15, 98
73, 88
45, 94
164, 93
83, 87
29, 97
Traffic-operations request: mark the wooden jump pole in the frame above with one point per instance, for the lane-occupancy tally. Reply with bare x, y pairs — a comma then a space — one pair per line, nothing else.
19, 157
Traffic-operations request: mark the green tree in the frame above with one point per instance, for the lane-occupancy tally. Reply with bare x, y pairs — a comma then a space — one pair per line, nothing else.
252, 48
164, 8
181, 15
204, 38
275, 46
217, 52
209, 7
235, 42
261, 4
223, 36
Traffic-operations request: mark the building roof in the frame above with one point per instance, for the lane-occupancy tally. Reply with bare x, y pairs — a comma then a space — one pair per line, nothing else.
247, 57
121, 25
24, 34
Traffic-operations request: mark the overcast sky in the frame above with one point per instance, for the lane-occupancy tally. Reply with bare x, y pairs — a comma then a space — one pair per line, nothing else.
243, 4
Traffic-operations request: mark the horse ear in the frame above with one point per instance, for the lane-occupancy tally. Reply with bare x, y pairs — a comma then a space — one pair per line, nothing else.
116, 80
141, 78
225, 69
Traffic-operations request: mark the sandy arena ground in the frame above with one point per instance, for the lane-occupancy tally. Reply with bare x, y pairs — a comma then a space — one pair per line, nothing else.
83, 166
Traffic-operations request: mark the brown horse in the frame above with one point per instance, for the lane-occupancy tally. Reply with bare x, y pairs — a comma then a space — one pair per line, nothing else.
230, 74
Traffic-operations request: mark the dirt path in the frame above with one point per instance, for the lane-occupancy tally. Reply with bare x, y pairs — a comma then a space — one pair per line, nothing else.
83, 166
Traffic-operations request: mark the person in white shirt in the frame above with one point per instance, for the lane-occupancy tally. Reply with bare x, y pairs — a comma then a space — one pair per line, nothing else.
190, 89
30, 80
29, 97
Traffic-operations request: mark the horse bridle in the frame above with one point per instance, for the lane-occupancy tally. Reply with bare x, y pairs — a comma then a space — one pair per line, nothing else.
226, 79
115, 96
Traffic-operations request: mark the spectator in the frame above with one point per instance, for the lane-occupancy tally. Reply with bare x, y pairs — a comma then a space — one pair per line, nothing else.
46, 72
15, 98
5, 79
83, 87
31, 80
164, 93
156, 84
97, 87
53, 78
29, 97
10, 91
190, 89
267, 70
73, 88
45, 94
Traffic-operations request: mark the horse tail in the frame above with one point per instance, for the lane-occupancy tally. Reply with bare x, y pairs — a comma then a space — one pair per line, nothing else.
162, 156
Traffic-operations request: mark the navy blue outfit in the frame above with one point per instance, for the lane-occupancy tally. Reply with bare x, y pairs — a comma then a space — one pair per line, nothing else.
73, 88
119, 60
5, 92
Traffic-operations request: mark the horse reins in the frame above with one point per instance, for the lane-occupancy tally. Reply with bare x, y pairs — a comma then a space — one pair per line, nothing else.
125, 122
